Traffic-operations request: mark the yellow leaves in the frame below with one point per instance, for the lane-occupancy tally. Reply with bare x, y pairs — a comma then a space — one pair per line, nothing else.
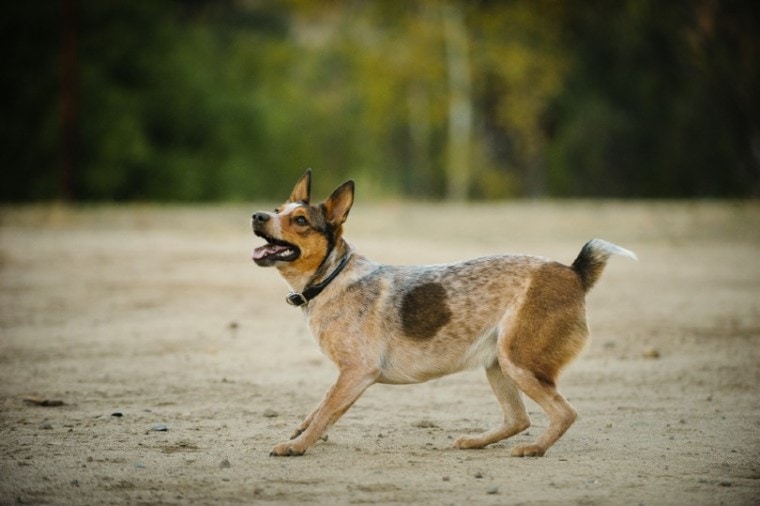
520, 46
384, 71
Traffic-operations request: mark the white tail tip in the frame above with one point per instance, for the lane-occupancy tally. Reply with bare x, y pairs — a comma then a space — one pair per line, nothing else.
612, 249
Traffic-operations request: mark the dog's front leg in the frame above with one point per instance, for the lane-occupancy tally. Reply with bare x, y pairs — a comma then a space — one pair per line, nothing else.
347, 389
307, 421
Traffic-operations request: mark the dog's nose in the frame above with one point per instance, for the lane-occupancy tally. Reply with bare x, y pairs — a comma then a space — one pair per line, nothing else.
260, 217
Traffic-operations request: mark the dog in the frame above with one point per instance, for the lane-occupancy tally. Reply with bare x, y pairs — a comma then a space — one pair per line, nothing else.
520, 317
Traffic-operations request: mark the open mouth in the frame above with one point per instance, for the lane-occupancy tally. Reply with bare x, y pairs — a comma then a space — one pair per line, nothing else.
274, 250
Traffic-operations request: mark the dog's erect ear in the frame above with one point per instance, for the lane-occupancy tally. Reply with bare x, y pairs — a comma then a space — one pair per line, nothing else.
302, 190
336, 207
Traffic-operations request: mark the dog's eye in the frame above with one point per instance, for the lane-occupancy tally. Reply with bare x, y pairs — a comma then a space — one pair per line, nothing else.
300, 220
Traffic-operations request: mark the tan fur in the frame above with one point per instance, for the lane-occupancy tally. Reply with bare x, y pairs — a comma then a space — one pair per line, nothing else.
522, 318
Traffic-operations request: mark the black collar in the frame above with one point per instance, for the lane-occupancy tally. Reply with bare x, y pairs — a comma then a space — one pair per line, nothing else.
299, 299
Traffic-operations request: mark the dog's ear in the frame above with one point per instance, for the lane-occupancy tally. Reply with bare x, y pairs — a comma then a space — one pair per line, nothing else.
302, 190
336, 207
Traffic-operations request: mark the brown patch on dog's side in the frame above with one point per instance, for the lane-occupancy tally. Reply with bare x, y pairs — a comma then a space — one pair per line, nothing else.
550, 328
424, 311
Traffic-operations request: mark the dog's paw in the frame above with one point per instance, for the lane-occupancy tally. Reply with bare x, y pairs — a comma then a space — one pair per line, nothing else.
287, 449
469, 443
528, 450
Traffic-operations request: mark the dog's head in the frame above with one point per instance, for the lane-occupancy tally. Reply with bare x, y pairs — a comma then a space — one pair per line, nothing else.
300, 235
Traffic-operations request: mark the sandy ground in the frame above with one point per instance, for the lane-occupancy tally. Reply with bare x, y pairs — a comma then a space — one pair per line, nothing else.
140, 318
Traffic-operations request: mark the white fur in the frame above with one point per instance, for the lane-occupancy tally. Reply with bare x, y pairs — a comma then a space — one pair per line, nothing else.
482, 352
605, 248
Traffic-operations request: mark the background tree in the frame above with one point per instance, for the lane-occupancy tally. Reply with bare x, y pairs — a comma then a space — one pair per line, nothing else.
206, 100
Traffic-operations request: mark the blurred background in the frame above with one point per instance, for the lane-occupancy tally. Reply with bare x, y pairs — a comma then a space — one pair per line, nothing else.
167, 100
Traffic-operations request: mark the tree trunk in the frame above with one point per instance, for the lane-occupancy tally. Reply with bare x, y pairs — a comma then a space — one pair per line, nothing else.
458, 171
68, 99
420, 132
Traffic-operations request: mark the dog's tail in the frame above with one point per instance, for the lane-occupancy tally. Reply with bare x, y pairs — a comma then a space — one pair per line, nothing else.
592, 259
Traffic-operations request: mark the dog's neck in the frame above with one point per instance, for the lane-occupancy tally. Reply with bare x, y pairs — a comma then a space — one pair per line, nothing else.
299, 280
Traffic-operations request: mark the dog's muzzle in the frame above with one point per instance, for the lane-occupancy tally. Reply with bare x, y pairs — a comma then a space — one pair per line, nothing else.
275, 250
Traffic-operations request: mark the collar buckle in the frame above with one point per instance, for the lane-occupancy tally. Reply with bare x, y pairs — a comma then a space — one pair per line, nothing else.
301, 299
296, 299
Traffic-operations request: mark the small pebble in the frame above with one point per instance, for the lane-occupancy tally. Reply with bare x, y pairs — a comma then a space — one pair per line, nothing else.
651, 352
478, 475
224, 464
117, 414
425, 424
46, 425
446, 478
48, 403
492, 491
159, 427
725, 483
270, 413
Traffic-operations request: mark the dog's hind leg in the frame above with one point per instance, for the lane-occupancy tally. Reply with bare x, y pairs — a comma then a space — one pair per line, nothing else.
515, 419
546, 333
561, 414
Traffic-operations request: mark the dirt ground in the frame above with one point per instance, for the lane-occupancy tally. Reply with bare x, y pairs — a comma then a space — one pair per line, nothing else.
180, 365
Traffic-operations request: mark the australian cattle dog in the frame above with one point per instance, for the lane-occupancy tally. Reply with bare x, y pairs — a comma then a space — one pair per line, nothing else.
520, 317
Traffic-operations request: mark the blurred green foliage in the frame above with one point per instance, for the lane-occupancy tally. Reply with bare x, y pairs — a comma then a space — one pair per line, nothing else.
231, 100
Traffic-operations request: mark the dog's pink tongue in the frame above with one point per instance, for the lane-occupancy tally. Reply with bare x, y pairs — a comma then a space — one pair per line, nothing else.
267, 250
